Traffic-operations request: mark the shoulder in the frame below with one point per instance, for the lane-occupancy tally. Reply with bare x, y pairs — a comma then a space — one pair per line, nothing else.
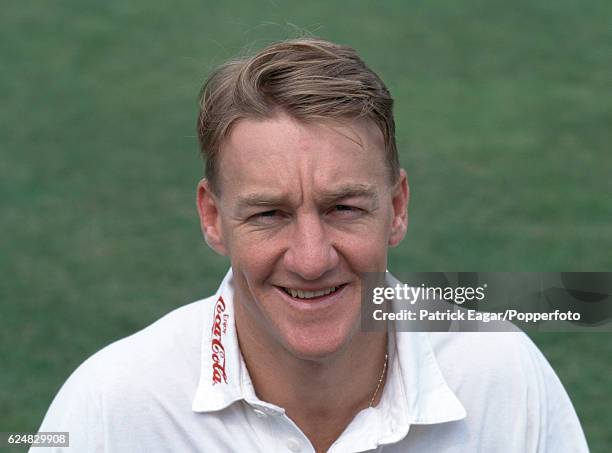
133, 385
184, 324
167, 346
490, 363
162, 359
508, 388
495, 350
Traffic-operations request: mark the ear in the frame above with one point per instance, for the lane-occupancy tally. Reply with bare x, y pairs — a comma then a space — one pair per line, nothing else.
210, 218
401, 195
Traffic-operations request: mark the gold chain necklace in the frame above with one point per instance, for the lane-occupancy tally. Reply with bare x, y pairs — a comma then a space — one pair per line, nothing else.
380, 379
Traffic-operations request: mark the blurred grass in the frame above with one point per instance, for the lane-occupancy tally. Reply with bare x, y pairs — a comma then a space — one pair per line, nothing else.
503, 114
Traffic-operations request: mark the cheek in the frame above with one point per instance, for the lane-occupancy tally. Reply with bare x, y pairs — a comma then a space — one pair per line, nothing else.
252, 257
367, 252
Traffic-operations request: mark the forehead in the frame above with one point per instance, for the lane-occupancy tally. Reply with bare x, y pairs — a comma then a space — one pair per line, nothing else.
284, 154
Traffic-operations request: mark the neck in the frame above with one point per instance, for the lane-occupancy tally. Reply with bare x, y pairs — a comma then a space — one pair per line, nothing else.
321, 395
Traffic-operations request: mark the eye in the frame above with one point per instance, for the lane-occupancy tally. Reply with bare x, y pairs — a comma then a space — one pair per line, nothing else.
266, 217
270, 213
346, 212
344, 207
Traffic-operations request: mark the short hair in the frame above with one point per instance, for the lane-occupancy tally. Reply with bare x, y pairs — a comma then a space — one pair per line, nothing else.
308, 79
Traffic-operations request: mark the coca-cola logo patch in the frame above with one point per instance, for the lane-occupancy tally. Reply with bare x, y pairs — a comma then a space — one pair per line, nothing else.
219, 328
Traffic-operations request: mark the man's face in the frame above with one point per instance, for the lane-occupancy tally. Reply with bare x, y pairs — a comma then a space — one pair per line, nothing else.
303, 209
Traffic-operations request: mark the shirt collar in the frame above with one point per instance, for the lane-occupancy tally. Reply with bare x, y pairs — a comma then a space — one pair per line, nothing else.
224, 378
415, 391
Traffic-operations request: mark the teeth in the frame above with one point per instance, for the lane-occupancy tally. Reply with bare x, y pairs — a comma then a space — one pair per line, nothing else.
309, 294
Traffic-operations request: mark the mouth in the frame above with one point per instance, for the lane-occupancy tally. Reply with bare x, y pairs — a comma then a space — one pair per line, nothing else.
312, 296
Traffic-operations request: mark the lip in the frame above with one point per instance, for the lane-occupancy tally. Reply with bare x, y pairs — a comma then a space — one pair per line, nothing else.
314, 303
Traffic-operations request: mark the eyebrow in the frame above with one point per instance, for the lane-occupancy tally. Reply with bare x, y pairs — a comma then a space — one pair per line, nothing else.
326, 197
350, 191
260, 199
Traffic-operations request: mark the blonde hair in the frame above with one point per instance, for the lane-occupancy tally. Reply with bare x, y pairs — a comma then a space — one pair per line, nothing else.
309, 79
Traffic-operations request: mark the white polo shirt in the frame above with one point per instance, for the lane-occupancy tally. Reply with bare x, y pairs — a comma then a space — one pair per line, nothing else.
181, 385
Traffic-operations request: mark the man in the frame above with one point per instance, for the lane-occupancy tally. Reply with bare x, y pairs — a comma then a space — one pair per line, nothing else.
304, 193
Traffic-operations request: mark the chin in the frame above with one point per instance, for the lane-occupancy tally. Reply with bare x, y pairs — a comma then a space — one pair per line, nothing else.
317, 343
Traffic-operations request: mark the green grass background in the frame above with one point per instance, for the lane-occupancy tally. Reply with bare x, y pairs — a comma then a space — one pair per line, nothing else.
504, 121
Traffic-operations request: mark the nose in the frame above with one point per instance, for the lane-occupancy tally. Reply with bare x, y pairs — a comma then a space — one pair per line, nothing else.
311, 253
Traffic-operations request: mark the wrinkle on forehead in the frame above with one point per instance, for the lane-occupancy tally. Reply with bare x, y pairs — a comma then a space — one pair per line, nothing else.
346, 128
371, 137
268, 152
